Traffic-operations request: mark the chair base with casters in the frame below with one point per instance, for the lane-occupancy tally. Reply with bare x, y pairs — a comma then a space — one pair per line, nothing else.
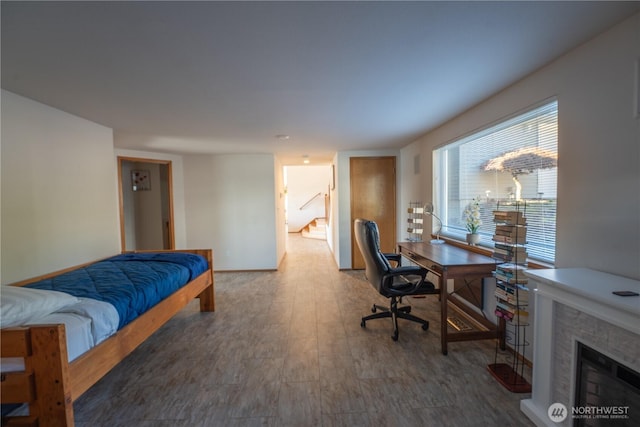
395, 313
391, 282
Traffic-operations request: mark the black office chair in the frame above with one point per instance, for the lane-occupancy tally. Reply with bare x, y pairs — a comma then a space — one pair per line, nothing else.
392, 282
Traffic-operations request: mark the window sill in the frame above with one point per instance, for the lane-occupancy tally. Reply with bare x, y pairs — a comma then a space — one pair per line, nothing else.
487, 252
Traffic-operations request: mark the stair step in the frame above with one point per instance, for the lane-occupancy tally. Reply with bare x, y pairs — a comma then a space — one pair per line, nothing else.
317, 229
320, 236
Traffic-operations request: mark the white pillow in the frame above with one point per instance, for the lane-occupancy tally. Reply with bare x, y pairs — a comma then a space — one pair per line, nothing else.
20, 305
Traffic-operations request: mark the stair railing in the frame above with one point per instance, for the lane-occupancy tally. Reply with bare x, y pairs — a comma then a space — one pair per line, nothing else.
308, 202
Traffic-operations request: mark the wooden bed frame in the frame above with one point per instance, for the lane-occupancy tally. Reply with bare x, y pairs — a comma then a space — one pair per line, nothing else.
50, 384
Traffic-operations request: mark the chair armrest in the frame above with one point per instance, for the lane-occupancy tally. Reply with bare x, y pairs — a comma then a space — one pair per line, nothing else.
407, 272
397, 258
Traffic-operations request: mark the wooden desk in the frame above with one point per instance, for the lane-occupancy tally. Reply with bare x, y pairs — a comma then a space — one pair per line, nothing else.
451, 262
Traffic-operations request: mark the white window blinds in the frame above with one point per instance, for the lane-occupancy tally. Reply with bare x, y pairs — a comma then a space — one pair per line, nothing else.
512, 161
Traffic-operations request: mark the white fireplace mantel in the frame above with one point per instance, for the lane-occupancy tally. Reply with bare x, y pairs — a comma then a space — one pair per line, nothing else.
587, 291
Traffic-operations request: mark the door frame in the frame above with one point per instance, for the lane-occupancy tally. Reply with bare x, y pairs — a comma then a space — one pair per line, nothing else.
171, 231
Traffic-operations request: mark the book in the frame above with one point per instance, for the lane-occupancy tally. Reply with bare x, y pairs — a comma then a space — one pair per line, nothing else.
516, 240
512, 250
509, 247
512, 293
510, 308
504, 314
509, 217
512, 280
519, 257
520, 317
511, 271
511, 231
508, 256
506, 297
510, 267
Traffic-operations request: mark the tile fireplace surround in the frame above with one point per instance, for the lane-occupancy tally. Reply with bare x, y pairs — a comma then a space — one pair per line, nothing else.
577, 304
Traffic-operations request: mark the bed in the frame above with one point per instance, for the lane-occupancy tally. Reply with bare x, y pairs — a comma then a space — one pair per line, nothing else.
55, 357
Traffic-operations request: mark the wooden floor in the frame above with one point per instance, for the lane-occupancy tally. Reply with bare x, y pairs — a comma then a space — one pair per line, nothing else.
286, 348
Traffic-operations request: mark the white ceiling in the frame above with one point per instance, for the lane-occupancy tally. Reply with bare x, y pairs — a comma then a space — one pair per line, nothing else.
226, 77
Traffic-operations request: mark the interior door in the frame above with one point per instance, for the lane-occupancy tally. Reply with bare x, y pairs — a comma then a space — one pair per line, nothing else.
146, 205
373, 197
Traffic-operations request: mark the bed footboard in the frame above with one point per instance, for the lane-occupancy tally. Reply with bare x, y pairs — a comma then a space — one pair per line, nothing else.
44, 384
207, 296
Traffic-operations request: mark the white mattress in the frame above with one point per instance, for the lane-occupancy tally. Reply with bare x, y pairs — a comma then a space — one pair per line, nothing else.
87, 324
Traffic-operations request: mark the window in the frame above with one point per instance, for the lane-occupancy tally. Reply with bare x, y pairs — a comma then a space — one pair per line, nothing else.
510, 163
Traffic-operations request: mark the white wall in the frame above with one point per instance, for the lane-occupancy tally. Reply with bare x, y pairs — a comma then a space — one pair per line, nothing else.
59, 190
281, 220
332, 221
128, 210
412, 187
230, 207
599, 143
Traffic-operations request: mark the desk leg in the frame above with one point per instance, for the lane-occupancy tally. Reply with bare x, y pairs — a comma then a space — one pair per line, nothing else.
443, 311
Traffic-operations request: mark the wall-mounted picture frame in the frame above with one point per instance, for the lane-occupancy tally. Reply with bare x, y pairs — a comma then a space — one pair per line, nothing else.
140, 180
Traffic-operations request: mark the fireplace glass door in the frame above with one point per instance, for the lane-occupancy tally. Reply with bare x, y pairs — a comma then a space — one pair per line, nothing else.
607, 392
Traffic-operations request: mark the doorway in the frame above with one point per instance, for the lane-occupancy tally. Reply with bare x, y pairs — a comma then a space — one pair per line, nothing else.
373, 197
306, 197
146, 204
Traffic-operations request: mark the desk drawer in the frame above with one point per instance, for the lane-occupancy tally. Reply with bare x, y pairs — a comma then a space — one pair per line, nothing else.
422, 262
435, 272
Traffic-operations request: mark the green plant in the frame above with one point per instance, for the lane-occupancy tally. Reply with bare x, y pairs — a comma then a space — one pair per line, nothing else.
472, 215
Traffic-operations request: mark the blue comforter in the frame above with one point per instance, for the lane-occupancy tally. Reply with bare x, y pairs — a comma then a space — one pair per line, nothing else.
132, 283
